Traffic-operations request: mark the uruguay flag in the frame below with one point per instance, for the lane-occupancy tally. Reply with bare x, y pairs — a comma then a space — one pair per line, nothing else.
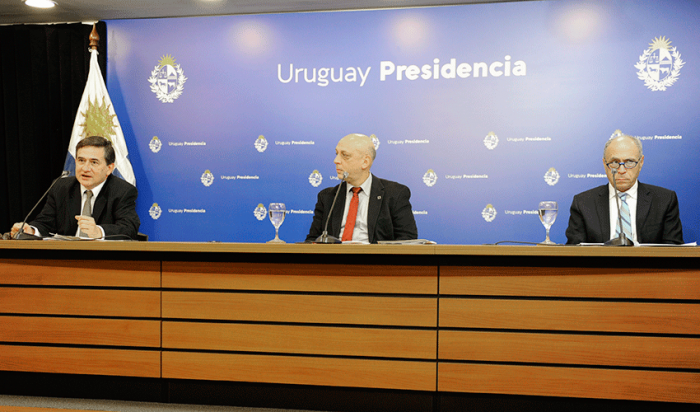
96, 117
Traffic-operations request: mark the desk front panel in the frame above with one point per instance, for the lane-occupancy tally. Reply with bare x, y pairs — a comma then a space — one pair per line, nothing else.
570, 331
555, 321
372, 326
80, 316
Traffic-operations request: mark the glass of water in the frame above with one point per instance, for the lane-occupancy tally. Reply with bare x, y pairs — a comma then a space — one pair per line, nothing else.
277, 212
548, 214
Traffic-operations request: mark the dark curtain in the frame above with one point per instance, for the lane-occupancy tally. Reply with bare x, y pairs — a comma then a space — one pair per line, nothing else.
43, 71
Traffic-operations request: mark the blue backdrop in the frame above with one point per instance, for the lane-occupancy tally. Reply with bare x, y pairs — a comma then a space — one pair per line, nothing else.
482, 110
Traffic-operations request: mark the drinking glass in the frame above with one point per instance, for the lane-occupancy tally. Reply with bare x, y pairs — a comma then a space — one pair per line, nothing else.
548, 214
277, 212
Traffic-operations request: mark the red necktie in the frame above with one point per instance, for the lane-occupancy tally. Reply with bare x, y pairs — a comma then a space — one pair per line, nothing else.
352, 215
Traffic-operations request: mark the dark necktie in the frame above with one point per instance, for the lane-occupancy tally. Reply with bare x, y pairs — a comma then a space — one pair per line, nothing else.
352, 215
87, 209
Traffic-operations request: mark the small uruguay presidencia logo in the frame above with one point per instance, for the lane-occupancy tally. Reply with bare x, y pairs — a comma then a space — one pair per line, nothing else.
207, 178
489, 213
315, 178
551, 177
616, 133
660, 65
375, 142
260, 212
167, 80
430, 178
260, 144
155, 211
155, 144
491, 141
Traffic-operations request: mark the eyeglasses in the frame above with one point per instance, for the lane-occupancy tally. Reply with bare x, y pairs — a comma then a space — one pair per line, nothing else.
629, 164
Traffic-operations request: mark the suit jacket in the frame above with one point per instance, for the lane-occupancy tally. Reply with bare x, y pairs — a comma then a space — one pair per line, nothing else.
389, 212
658, 219
114, 210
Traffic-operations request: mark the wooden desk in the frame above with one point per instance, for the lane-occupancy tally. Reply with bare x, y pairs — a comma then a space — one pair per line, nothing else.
585, 322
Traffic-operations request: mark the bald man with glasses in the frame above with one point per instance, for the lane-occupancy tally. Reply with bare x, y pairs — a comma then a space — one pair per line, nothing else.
649, 213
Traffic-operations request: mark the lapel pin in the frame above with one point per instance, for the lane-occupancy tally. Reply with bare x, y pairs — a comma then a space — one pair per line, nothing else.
379, 198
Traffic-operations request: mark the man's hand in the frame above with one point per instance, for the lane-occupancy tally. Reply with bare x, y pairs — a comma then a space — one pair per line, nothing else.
88, 226
16, 226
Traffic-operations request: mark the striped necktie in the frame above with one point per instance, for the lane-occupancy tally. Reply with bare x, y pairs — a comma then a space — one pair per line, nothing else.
626, 218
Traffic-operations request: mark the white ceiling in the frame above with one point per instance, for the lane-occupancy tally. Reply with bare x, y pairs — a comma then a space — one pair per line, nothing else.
16, 12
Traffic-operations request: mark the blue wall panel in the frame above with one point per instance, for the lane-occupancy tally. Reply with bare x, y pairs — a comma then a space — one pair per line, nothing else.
562, 79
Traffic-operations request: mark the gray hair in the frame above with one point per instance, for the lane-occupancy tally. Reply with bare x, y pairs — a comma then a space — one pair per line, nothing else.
616, 136
372, 151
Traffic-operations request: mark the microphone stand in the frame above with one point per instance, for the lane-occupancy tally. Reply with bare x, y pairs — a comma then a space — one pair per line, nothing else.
622, 239
26, 236
325, 238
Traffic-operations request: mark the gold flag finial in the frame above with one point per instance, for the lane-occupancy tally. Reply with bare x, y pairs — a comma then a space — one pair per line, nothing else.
94, 38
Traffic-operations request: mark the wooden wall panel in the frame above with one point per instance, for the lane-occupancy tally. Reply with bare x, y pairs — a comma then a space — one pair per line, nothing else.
301, 370
89, 361
681, 318
572, 349
570, 382
7, 408
402, 279
87, 302
80, 331
143, 274
356, 310
570, 282
338, 341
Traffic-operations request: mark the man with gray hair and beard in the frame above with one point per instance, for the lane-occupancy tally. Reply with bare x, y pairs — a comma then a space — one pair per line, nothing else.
649, 213
368, 209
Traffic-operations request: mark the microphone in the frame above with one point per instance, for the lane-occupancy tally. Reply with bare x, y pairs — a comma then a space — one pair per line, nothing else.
324, 238
621, 240
20, 235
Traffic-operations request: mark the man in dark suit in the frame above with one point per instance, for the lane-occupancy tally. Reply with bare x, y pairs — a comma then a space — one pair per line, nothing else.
378, 209
652, 210
112, 201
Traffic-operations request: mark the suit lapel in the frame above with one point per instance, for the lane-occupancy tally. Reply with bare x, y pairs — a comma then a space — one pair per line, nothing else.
643, 207
101, 200
603, 210
374, 206
338, 210
73, 209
